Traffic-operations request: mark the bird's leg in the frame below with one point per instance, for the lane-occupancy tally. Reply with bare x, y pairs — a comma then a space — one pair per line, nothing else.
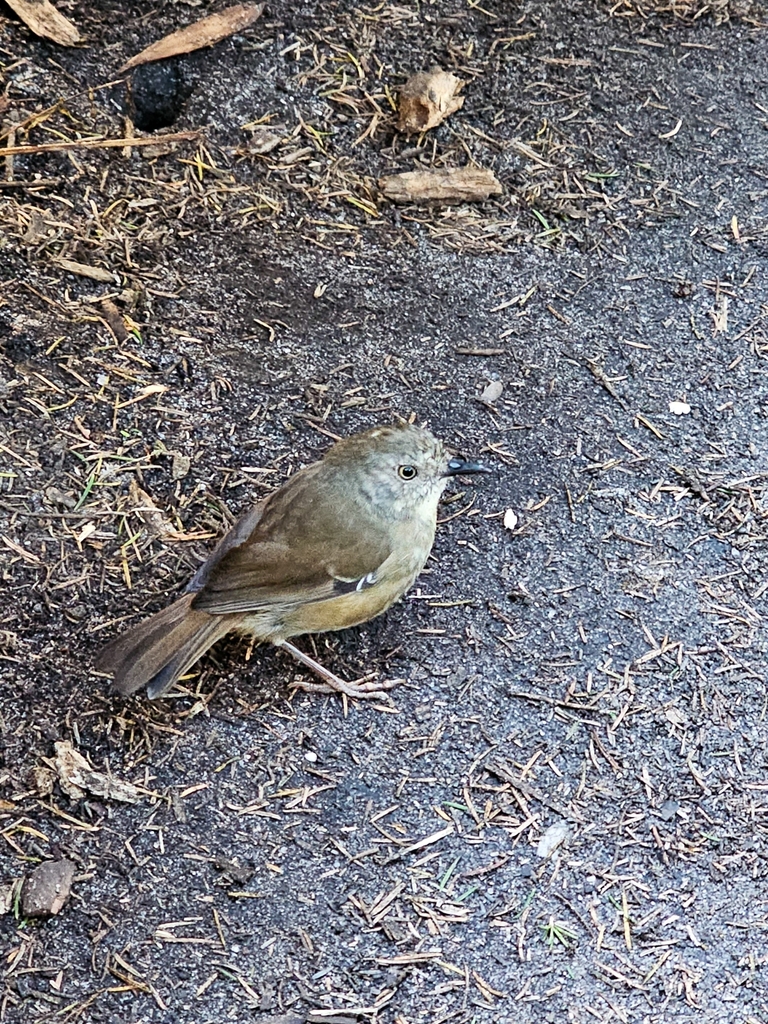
364, 689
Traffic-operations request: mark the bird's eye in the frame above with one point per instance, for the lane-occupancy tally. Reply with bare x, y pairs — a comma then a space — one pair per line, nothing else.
406, 472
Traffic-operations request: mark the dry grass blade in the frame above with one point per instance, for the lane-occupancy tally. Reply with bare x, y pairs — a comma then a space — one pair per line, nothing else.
56, 147
206, 32
42, 18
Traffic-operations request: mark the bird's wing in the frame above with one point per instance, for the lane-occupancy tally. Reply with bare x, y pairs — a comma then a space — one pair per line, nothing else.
290, 551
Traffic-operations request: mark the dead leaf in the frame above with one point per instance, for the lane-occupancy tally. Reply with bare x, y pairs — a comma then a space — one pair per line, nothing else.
77, 778
148, 512
153, 518
427, 98
463, 184
206, 32
44, 20
47, 889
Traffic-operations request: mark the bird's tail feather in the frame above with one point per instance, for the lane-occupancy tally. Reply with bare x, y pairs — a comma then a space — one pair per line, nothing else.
158, 650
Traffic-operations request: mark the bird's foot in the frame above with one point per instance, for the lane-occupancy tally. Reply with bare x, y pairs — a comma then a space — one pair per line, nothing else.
367, 688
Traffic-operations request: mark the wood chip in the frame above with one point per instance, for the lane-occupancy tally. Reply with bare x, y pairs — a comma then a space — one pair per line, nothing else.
264, 140
42, 18
206, 32
47, 889
84, 270
462, 184
180, 466
77, 777
427, 98
114, 320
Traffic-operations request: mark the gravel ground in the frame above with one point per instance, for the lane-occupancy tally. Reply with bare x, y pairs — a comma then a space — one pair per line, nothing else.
561, 814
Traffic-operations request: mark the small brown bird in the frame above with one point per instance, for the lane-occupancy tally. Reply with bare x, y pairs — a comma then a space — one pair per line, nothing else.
336, 545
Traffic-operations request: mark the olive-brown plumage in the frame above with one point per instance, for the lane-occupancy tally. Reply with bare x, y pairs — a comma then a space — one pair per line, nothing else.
336, 545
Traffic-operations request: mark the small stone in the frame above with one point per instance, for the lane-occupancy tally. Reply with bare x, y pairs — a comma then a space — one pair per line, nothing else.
492, 392
180, 466
510, 519
232, 870
679, 408
47, 889
552, 838
55, 496
669, 809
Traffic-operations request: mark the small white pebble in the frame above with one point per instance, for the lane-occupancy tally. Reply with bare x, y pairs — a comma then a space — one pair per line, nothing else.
492, 392
552, 838
679, 408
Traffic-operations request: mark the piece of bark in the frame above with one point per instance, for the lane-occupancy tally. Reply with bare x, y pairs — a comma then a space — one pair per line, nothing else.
77, 778
462, 184
42, 18
205, 32
114, 320
427, 98
47, 889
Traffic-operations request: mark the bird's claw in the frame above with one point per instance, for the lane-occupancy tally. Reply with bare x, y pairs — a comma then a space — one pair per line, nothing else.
366, 688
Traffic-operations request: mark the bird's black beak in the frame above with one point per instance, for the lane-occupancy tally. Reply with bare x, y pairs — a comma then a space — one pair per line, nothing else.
458, 467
